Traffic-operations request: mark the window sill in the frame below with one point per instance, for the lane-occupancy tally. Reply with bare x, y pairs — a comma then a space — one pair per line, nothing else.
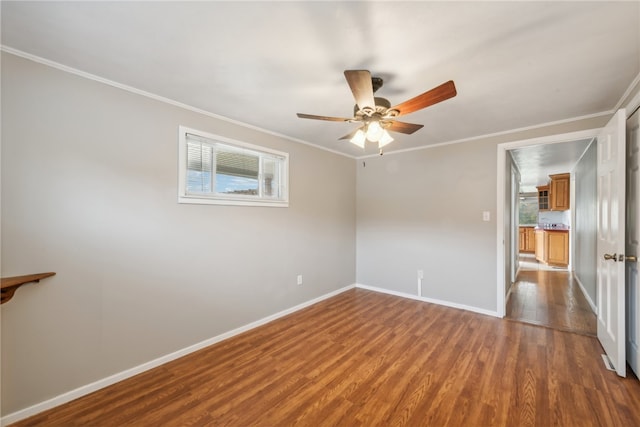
231, 202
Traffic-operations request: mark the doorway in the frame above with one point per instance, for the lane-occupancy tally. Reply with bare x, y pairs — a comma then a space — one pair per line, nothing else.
546, 292
507, 228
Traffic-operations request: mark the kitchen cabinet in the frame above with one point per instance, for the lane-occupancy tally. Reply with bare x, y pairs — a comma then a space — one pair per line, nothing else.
527, 239
555, 195
559, 192
552, 247
531, 239
540, 246
543, 198
557, 248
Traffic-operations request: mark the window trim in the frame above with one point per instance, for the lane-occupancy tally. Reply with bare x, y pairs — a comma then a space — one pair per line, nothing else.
220, 199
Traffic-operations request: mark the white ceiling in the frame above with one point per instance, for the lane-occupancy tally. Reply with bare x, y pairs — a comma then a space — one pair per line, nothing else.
537, 162
515, 64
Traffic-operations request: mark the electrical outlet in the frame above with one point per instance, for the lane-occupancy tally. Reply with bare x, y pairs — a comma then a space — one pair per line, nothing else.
420, 274
486, 216
299, 279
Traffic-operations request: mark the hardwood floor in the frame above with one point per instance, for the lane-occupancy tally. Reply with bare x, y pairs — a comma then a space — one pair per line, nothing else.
550, 298
369, 359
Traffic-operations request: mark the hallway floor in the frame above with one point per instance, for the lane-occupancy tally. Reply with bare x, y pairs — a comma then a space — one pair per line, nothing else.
549, 297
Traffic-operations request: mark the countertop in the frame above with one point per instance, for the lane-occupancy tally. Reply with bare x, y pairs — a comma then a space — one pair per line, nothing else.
547, 227
550, 227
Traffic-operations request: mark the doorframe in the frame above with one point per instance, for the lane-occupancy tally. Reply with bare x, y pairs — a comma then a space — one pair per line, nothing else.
501, 285
633, 105
515, 244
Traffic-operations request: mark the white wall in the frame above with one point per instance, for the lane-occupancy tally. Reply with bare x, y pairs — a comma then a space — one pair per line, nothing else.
554, 217
89, 189
423, 210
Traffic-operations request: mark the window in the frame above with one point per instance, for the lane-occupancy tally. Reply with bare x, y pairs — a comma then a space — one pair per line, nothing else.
528, 209
218, 170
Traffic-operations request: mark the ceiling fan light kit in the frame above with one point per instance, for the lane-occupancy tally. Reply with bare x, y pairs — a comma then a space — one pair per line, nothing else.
385, 139
359, 138
377, 115
374, 131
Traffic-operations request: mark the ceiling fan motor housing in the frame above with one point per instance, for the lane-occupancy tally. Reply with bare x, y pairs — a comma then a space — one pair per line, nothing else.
381, 107
376, 83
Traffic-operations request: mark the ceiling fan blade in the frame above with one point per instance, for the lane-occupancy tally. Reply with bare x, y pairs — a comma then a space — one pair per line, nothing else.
403, 127
331, 119
438, 94
351, 134
361, 86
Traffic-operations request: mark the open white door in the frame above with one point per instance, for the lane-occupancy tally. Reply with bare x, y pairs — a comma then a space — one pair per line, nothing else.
633, 241
611, 241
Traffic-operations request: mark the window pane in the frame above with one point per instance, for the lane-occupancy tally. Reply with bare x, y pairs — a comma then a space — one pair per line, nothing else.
528, 210
271, 177
237, 171
236, 162
230, 184
199, 167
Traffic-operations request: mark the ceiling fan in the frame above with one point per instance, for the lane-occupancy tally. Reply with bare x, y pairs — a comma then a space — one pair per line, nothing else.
376, 114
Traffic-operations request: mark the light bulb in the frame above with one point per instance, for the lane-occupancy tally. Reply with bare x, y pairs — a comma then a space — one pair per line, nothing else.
384, 139
374, 131
359, 138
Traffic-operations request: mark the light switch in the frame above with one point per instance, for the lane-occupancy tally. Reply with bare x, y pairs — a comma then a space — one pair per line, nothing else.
486, 216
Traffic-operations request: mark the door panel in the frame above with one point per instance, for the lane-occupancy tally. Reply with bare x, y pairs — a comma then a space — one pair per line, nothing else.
611, 241
633, 239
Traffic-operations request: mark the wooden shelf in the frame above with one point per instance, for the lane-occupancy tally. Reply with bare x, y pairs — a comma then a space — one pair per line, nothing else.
10, 284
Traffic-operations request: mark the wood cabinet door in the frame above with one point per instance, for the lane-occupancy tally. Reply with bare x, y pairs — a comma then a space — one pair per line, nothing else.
558, 248
531, 240
527, 239
540, 245
559, 192
543, 198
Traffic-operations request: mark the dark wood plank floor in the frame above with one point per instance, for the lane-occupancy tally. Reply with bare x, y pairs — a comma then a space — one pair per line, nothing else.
369, 359
552, 299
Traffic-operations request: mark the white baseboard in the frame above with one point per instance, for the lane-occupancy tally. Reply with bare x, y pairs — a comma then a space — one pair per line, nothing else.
97, 385
429, 300
509, 292
584, 292
506, 298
